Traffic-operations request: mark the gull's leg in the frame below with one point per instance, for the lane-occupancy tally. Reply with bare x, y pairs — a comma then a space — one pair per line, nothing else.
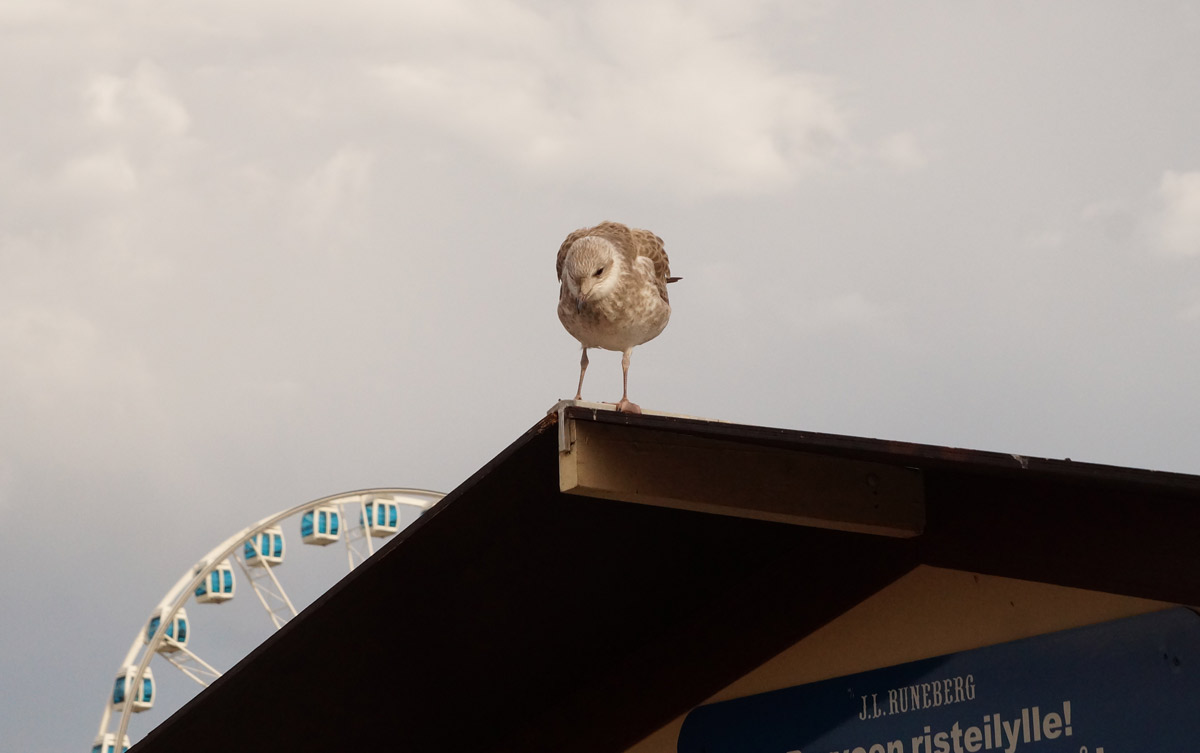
625, 406
583, 362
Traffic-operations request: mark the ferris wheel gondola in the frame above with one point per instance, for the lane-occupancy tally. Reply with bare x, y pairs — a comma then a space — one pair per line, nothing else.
107, 743
218, 585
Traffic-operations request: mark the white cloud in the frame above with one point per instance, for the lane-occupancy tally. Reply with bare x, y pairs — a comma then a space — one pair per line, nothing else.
76, 396
1177, 224
102, 173
903, 151
651, 97
142, 98
15, 12
334, 191
647, 96
54, 355
1113, 219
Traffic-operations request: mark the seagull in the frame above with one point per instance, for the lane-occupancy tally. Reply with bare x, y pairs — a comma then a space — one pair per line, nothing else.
613, 294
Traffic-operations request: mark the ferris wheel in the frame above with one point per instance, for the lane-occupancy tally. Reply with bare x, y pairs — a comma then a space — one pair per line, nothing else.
356, 518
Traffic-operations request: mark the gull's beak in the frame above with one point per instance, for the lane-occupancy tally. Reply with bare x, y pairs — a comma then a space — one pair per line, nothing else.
579, 301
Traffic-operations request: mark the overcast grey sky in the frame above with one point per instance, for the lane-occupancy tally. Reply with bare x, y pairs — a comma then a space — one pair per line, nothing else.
254, 253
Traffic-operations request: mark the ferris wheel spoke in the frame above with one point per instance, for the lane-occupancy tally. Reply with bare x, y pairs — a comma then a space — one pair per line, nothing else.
193, 666
269, 591
359, 545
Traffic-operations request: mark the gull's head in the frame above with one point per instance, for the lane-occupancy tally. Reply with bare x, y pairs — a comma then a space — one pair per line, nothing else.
591, 269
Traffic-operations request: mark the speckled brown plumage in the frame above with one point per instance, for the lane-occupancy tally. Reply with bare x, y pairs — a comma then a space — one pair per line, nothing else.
632, 242
613, 292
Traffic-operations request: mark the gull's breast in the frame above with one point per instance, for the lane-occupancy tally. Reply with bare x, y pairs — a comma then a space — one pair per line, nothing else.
632, 316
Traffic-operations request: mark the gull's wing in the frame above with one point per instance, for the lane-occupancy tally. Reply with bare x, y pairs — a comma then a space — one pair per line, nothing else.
649, 245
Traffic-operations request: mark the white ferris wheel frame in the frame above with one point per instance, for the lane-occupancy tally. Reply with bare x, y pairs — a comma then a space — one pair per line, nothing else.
270, 593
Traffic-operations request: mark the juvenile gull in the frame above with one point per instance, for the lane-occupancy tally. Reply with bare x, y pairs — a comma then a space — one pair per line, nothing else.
614, 293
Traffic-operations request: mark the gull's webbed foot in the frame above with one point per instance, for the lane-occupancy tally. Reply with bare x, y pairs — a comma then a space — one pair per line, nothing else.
627, 407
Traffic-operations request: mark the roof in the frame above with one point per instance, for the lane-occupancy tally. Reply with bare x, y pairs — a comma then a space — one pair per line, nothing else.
516, 616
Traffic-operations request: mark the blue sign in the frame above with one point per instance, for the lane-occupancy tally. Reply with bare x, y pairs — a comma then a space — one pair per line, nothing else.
1128, 686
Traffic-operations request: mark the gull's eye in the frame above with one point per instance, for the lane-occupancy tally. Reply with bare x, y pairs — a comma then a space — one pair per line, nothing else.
599, 272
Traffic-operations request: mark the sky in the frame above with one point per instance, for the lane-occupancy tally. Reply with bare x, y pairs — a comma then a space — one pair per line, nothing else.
255, 253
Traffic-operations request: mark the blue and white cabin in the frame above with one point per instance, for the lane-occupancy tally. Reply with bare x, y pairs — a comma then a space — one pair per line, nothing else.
320, 525
381, 517
143, 698
107, 743
176, 636
265, 548
217, 585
